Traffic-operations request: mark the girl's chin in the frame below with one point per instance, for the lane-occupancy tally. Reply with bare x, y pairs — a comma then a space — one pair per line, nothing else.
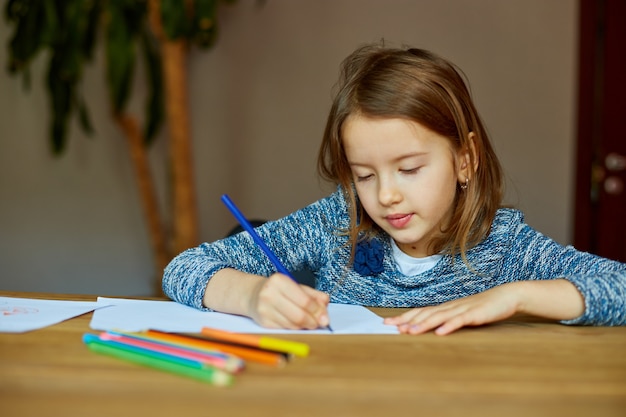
407, 244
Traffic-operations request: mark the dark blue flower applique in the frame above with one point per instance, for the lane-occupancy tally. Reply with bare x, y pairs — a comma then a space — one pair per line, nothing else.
368, 257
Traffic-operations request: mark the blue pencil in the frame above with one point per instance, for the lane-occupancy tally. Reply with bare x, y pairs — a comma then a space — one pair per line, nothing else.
257, 239
255, 236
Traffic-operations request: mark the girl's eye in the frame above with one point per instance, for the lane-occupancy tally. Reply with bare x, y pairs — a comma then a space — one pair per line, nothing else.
410, 171
361, 178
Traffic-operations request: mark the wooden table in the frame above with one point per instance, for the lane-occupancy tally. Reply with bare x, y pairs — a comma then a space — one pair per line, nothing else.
524, 367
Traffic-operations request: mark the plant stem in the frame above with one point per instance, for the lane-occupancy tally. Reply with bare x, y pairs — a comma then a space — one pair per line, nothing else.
147, 192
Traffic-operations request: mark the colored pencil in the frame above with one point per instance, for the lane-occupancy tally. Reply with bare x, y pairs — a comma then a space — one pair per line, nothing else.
245, 353
262, 342
192, 363
117, 350
227, 363
255, 236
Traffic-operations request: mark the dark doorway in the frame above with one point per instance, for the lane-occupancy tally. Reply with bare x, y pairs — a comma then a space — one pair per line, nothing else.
600, 212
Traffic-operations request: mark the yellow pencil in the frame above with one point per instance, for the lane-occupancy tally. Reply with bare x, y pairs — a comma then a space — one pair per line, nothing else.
262, 342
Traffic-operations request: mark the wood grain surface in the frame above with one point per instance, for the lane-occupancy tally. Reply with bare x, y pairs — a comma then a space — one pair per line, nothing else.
520, 367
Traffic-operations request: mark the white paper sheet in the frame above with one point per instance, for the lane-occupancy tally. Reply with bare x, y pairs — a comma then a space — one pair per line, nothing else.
169, 316
18, 315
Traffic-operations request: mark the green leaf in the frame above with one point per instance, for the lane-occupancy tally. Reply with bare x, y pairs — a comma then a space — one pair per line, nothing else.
174, 19
93, 10
120, 56
204, 30
50, 32
29, 17
60, 93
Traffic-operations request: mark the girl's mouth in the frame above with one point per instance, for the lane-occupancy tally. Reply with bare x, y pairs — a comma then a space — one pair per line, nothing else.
398, 220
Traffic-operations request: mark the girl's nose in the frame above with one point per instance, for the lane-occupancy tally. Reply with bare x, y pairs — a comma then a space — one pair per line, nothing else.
388, 194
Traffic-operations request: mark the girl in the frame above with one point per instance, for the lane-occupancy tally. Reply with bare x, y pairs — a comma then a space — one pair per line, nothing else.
415, 222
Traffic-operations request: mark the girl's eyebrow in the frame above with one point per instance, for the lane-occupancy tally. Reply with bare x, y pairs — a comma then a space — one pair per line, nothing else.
395, 160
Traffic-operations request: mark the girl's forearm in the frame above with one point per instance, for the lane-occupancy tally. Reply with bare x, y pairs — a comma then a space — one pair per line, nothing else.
555, 299
230, 291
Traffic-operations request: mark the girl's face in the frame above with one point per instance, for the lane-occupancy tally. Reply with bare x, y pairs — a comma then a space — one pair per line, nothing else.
405, 176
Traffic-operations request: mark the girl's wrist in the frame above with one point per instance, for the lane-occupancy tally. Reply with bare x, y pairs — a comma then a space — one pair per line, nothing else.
251, 300
526, 292
555, 299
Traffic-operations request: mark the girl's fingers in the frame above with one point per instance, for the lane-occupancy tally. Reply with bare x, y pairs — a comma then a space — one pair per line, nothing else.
321, 297
416, 315
442, 321
429, 319
308, 308
445, 318
403, 318
450, 326
286, 304
321, 309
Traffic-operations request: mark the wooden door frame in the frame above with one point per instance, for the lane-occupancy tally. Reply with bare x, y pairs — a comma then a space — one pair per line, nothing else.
589, 76
599, 226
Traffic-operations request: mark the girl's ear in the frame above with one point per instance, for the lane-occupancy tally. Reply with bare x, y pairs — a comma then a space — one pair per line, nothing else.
467, 160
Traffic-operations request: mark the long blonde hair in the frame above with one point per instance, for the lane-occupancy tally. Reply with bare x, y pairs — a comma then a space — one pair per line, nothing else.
417, 85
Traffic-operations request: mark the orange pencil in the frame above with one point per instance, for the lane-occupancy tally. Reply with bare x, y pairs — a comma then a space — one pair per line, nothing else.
255, 355
262, 342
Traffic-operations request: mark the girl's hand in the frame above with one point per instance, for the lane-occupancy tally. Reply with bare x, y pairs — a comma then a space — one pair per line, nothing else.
554, 299
492, 305
279, 302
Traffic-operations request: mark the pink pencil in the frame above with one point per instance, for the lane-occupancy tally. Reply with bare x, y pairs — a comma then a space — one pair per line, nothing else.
227, 363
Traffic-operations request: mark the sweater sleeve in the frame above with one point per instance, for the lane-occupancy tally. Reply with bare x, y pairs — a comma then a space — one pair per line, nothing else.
299, 240
605, 298
602, 282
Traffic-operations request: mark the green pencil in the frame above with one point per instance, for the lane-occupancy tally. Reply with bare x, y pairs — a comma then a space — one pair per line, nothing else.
213, 376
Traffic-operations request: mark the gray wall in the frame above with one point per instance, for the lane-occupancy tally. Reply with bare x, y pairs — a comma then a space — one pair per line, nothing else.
259, 102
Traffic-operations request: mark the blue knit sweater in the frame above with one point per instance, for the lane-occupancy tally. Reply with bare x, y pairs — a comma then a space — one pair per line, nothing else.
311, 239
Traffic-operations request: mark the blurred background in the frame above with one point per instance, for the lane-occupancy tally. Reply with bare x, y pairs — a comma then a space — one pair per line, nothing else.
258, 102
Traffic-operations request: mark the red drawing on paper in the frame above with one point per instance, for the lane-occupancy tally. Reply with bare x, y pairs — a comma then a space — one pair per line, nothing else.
17, 310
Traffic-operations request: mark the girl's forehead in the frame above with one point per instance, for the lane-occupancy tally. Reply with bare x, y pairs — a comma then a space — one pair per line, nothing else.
357, 127
367, 137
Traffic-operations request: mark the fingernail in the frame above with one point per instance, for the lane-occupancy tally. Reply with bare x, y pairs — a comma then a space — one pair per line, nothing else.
324, 321
441, 330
